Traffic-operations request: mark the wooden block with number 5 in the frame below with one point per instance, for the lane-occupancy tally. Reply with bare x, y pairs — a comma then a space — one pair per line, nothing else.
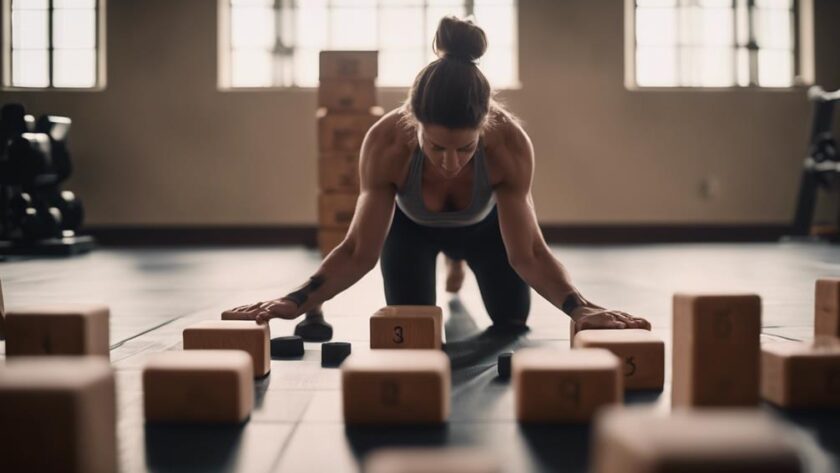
565, 386
396, 387
407, 326
641, 352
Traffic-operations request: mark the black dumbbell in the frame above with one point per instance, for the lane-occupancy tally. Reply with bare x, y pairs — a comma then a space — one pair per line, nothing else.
72, 212
314, 328
30, 157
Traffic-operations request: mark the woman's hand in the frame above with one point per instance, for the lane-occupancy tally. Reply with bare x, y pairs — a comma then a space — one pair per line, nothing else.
593, 317
262, 312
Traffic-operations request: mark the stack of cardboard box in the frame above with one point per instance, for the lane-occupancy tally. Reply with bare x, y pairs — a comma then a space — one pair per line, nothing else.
347, 109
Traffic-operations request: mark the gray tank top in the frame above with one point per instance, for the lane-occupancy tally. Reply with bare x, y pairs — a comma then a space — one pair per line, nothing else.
410, 199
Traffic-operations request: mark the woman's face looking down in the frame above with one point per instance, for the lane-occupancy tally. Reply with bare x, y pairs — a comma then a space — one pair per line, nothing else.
448, 149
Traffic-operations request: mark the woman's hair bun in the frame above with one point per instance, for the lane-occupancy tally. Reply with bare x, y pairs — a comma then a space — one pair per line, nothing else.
459, 39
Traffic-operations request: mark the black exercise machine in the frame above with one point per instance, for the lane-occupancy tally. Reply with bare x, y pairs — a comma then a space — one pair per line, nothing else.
36, 216
821, 168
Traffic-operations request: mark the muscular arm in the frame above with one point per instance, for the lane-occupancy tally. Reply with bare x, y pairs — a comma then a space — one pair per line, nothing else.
358, 253
528, 253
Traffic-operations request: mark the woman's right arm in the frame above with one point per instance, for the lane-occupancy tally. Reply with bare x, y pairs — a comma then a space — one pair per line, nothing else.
358, 253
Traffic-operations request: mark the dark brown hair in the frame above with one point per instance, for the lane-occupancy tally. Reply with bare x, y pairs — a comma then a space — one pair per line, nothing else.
451, 91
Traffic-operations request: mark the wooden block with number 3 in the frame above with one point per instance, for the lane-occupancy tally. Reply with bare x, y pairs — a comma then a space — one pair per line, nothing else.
407, 326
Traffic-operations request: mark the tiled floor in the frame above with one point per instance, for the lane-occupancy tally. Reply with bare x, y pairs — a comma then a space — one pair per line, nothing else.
297, 424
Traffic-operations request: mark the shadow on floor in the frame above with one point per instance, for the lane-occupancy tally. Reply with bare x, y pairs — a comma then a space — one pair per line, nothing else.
199, 448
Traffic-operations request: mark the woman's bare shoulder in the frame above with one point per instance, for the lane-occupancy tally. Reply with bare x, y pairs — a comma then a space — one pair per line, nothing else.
508, 147
388, 145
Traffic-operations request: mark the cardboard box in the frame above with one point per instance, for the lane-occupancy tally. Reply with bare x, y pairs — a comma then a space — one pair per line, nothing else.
642, 354
716, 350
347, 95
348, 64
801, 374
339, 172
329, 238
71, 329
827, 307
344, 132
396, 387
641, 440
335, 210
205, 386
250, 337
407, 326
565, 386
58, 414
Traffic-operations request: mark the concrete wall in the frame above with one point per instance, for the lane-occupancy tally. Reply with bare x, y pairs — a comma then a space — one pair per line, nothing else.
162, 145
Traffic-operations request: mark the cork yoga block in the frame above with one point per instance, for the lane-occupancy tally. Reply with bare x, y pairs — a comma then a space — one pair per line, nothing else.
231, 315
347, 95
552, 386
339, 172
407, 326
642, 354
336, 210
716, 350
438, 460
248, 336
57, 330
639, 440
57, 414
344, 132
203, 386
827, 308
348, 64
396, 387
801, 374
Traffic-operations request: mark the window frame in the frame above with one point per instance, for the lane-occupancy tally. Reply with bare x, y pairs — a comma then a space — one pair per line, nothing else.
803, 55
224, 54
99, 51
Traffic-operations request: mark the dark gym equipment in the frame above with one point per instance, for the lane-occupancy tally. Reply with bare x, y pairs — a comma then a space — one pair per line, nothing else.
36, 216
503, 365
314, 328
334, 353
822, 164
287, 347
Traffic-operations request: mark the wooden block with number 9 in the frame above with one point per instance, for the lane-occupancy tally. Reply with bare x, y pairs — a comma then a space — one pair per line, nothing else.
407, 326
396, 387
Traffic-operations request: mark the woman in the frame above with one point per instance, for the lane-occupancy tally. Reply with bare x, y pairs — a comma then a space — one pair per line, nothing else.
450, 171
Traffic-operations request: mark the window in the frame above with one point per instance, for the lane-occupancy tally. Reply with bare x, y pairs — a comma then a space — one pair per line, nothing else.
53, 43
275, 43
715, 43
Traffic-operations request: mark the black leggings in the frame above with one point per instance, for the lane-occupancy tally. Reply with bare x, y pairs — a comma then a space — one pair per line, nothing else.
410, 253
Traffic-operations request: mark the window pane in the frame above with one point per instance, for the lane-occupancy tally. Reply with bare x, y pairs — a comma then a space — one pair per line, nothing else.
402, 27
656, 66
74, 68
775, 68
656, 26
743, 22
499, 67
706, 26
29, 4
498, 23
311, 31
29, 29
712, 67
251, 68
743, 67
787, 4
397, 68
88, 4
656, 3
306, 67
74, 29
252, 26
774, 28
30, 69
352, 28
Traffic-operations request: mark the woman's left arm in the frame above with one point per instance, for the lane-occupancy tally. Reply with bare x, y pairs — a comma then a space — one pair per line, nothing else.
527, 251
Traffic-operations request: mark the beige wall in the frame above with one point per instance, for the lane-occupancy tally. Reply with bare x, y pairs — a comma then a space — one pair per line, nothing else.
162, 145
